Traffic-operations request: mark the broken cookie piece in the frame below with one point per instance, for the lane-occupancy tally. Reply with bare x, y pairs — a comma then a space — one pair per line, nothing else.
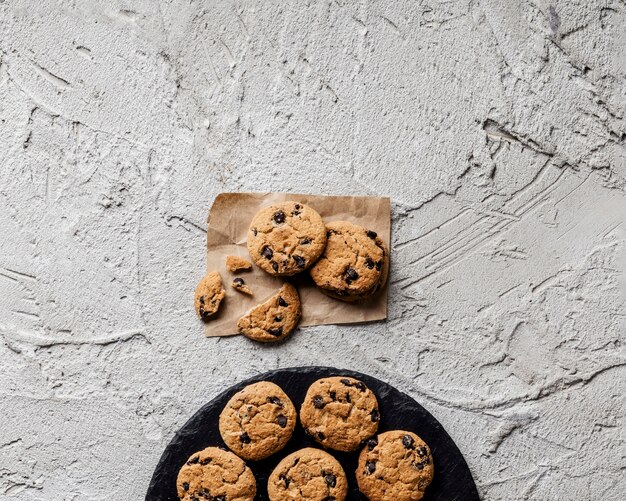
236, 263
275, 319
240, 285
209, 295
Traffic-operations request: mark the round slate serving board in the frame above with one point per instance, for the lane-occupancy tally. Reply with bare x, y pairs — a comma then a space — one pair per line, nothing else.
453, 480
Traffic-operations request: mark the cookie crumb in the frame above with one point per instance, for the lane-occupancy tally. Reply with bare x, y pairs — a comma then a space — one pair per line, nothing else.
235, 264
239, 284
209, 295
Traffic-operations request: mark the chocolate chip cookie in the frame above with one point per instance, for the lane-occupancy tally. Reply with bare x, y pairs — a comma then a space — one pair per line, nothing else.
340, 413
209, 295
309, 474
287, 238
217, 475
235, 264
275, 318
352, 265
396, 465
257, 421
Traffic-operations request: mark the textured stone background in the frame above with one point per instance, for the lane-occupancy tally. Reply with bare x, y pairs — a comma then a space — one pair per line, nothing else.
497, 127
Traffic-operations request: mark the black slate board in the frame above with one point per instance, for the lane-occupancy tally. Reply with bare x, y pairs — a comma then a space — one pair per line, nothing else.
453, 480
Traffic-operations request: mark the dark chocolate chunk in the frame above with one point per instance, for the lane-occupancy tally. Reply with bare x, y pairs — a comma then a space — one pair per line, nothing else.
370, 467
318, 402
279, 217
282, 302
320, 435
360, 386
194, 460
375, 415
275, 266
345, 382
205, 461
331, 480
422, 451
254, 231
245, 438
278, 331
238, 281
278, 318
297, 206
369, 262
372, 234
300, 262
379, 265
419, 466
408, 442
371, 443
281, 420
201, 299
275, 400
305, 241
185, 486
333, 395
350, 275
218, 498
267, 252
348, 399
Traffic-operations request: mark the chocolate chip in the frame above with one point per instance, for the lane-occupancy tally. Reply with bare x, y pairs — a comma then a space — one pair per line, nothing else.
282, 302
345, 382
333, 395
371, 443
369, 262
408, 442
194, 460
300, 262
297, 206
372, 234
279, 217
278, 318
348, 399
422, 451
360, 386
370, 467
275, 266
244, 438
296, 461
281, 420
278, 331
217, 498
331, 480
267, 252
419, 466
318, 402
375, 415
320, 435
201, 299
205, 461
254, 231
305, 241
285, 479
379, 265
185, 486
275, 400
350, 275
238, 281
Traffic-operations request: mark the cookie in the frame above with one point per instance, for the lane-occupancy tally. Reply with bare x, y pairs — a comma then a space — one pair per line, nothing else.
217, 475
236, 263
275, 318
257, 421
352, 262
395, 465
340, 413
310, 474
209, 295
287, 238
239, 284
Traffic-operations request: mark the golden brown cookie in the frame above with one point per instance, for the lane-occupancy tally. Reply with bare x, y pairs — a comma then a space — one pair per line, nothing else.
257, 421
236, 263
340, 413
396, 465
239, 284
209, 295
352, 263
275, 318
287, 238
217, 475
308, 474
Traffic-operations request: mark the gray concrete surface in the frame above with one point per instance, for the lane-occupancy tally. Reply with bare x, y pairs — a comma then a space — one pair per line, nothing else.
497, 127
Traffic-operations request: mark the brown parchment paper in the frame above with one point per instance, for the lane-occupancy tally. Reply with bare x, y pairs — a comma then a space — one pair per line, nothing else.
228, 222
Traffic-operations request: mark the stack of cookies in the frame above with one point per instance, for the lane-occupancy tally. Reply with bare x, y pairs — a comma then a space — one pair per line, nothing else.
345, 261
339, 413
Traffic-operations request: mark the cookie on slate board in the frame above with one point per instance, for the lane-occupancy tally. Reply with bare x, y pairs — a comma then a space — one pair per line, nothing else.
215, 474
236, 263
351, 266
340, 413
310, 474
395, 465
257, 421
287, 238
209, 295
275, 318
